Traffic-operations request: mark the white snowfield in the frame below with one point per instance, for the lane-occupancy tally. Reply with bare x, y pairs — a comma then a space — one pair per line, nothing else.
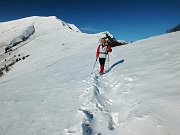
52, 92
24, 36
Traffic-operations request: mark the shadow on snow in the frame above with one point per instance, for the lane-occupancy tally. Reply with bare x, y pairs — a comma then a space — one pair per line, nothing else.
85, 126
115, 64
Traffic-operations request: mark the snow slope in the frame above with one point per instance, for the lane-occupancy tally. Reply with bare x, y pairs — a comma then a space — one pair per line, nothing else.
53, 92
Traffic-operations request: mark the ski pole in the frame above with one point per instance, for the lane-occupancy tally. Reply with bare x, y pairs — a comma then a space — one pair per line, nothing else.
94, 65
108, 59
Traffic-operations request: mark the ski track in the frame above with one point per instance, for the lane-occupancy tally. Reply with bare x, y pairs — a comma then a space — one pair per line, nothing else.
104, 107
97, 108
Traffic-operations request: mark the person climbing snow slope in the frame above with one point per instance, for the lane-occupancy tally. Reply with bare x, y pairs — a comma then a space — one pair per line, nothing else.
102, 51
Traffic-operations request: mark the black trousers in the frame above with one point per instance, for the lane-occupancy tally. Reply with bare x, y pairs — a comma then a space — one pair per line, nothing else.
102, 61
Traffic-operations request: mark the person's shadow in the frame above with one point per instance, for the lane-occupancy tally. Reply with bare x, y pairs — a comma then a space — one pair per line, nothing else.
115, 64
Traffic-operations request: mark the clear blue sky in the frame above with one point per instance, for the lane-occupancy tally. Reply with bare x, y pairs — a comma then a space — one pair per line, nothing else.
129, 20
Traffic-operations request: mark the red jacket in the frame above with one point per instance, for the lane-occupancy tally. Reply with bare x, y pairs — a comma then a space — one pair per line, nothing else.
109, 49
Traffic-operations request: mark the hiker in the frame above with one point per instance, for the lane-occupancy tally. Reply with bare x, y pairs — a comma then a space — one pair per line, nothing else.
101, 53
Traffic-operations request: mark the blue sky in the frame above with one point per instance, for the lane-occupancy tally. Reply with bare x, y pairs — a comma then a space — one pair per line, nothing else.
128, 20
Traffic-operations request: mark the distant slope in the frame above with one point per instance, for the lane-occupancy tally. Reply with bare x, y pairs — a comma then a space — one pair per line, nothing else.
12, 29
17, 34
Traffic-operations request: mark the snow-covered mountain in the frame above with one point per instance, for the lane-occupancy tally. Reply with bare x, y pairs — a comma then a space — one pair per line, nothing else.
49, 89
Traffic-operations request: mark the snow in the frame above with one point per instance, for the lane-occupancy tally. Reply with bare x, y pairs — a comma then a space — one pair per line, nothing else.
12, 29
122, 42
24, 36
53, 92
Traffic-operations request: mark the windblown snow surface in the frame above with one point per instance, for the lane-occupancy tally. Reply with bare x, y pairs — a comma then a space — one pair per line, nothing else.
52, 92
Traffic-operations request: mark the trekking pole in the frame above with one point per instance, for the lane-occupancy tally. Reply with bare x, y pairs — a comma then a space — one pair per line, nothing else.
108, 60
94, 65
